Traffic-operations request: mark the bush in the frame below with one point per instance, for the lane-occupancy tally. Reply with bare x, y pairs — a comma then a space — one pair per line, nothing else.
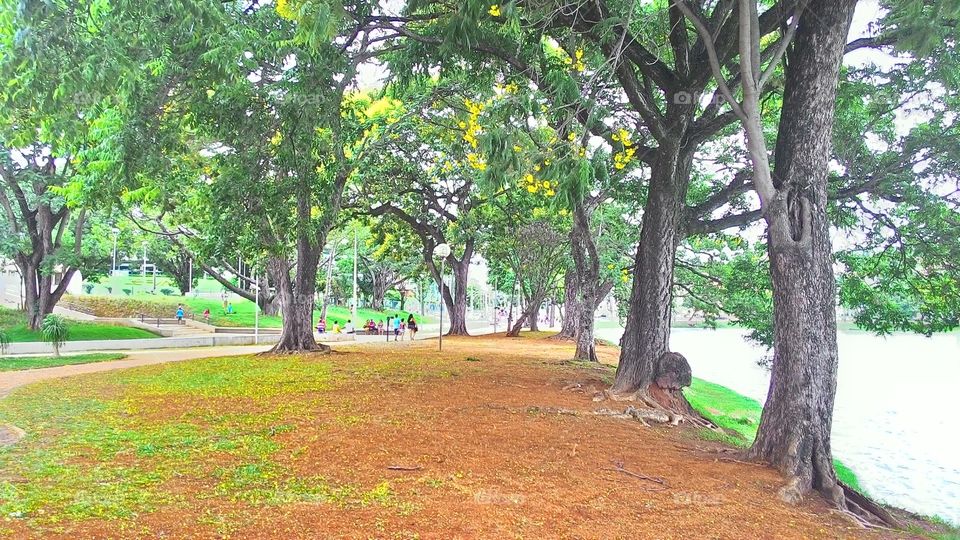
4, 341
167, 292
54, 331
88, 288
128, 292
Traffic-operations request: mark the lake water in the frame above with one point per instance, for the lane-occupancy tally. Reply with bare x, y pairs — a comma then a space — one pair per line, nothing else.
896, 420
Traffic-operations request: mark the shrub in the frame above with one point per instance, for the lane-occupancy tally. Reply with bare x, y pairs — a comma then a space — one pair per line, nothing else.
4, 341
109, 290
88, 288
54, 331
128, 292
167, 292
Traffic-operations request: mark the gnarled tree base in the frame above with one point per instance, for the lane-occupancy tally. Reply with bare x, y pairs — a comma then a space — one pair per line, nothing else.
298, 346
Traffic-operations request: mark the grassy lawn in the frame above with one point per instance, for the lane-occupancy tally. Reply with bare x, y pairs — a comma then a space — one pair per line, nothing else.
17, 363
15, 325
740, 416
242, 316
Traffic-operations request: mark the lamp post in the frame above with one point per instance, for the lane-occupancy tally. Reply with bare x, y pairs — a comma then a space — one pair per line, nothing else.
143, 271
354, 277
442, 251
256, 311
116, 233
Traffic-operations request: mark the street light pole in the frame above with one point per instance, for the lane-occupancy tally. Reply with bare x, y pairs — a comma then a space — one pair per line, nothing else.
354, 277
116, 233
143, 271
442, 251
256, 312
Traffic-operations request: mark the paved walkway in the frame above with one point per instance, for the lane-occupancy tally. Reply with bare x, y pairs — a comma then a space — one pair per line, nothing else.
10, 380
14, 379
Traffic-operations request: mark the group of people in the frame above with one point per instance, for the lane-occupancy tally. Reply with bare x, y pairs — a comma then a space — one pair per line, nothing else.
396, 325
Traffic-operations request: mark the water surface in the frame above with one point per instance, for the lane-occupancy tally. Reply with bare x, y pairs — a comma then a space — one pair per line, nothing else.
896, 422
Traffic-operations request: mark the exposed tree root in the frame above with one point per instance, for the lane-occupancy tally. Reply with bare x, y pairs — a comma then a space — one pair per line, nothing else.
320, 348
872, 513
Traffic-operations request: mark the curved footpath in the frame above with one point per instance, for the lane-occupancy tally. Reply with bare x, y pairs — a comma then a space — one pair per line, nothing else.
10, 380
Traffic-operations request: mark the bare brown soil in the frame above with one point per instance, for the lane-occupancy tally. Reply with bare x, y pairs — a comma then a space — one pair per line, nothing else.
494, 451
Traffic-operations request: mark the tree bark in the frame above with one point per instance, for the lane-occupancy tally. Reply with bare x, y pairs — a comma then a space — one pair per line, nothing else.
571, 306
455, 302
794, 431
297, 301
647, 331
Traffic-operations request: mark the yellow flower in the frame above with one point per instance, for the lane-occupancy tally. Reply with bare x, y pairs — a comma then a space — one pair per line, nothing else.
572, 136
285, 10
579, 54
550, 193
517, 148
563, 212
462, 124
210, 93
529, 178
276, 139
494, 10
546, 183
532, 188
536, 168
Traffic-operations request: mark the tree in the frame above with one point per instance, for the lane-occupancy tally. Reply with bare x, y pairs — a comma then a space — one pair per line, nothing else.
38, 220
536, 254
250, 134
605, 73
794, 432
428, 183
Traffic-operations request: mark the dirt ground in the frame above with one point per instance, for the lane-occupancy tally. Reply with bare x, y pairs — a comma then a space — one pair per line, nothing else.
491, 448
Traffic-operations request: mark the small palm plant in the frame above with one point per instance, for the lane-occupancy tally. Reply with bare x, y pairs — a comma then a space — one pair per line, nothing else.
54, 331
4, 341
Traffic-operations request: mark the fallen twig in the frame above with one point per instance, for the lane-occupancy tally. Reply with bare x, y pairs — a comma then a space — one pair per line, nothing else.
618, 467
404, 468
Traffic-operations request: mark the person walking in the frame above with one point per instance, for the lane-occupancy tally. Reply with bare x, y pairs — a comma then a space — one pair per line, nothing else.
206, 315
179, 314
396, 327
412, 327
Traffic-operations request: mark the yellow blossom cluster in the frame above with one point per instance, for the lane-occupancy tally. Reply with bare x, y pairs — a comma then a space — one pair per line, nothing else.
286, 9
621, 159
494, 10
577, 61
476, 161
471, 127
535, 185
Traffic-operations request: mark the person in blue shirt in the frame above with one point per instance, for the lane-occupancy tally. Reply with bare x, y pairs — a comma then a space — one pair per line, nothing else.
396, 327
179, 314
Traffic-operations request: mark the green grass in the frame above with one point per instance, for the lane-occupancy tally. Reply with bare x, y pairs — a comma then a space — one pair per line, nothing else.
243, 310
107, 446
15, 324
17, 363
739, 416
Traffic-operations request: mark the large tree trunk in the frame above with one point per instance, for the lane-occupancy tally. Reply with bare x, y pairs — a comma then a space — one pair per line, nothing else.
455, 302
571, 306
647, 334
794, 432
297, 300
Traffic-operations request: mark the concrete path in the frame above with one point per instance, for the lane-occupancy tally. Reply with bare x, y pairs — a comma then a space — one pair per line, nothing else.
14, 379
10, 380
